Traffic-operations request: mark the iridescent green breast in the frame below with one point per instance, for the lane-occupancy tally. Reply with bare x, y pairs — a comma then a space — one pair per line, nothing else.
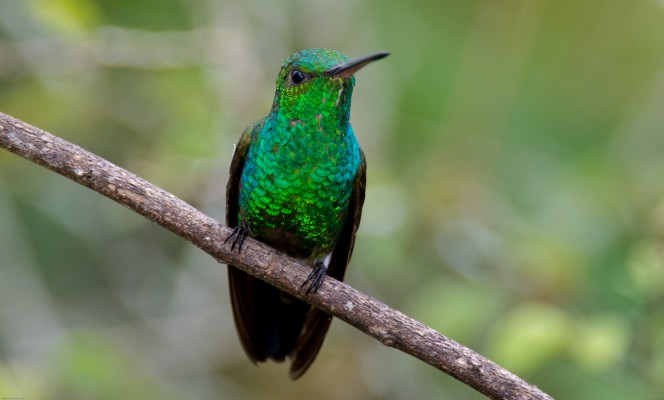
296, 185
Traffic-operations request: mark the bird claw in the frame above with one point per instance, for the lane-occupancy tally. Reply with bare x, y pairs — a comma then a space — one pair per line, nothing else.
315, 278
239, 234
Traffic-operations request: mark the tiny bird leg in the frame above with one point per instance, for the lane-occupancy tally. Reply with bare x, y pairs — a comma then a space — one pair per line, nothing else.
315, 278
239, 234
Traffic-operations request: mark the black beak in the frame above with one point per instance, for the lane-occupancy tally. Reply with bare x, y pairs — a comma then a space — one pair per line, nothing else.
348, 68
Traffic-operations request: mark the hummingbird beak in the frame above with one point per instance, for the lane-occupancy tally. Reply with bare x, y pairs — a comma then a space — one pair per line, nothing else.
348, 68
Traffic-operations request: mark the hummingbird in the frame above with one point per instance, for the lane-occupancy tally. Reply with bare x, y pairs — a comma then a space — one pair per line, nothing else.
297, 183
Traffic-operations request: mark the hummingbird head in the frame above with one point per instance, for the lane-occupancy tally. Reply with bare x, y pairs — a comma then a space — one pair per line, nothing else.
318, 82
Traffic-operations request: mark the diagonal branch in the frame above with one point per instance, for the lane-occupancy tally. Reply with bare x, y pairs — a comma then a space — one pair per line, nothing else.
390, 327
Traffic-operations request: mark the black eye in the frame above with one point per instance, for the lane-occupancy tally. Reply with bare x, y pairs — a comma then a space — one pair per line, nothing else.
297, 77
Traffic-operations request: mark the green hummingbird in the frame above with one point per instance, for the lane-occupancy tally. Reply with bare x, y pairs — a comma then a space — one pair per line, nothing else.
297, 182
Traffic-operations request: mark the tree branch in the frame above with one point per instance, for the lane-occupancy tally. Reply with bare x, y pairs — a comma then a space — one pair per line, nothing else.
390, 327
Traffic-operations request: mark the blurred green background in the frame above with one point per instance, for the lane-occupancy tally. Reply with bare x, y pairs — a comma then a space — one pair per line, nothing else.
515, 195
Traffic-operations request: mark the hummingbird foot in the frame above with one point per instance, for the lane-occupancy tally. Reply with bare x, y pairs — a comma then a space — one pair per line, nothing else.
315, 278
238, 235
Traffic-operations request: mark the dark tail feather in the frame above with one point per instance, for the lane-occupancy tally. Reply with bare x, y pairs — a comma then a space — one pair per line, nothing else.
309, 343
268, 321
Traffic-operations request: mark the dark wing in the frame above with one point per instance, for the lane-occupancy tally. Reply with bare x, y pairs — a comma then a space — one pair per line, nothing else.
241, 283
318, 322
237, 164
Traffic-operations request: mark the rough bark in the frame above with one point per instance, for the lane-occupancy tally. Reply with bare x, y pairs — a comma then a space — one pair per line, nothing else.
389, 326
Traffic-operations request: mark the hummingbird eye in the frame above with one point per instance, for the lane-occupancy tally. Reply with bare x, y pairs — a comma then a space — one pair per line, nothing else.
297, 77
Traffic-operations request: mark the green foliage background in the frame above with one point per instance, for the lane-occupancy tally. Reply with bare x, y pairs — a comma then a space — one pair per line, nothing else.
515, 200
